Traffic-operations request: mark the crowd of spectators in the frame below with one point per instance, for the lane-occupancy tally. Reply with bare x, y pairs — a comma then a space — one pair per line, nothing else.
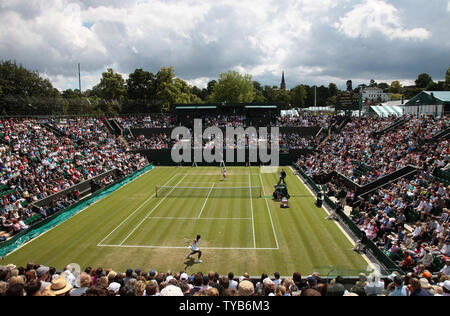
358, 146
37, 161
407, 218
40, 280
306, 120
148, 121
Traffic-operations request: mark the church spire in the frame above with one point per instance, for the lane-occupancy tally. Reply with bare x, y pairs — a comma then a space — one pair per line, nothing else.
283, 82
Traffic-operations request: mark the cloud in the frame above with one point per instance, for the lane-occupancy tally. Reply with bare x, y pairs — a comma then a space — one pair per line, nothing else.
313, 41
378, 16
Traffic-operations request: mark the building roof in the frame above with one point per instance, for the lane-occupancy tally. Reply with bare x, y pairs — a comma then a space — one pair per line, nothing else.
441, 95
424, 97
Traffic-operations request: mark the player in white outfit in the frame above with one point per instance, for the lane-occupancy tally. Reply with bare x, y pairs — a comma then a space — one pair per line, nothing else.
194, 249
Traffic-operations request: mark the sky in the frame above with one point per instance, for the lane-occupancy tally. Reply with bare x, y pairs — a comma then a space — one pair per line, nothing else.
314, 42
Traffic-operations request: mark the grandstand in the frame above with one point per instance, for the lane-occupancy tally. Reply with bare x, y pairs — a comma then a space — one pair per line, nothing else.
104, 192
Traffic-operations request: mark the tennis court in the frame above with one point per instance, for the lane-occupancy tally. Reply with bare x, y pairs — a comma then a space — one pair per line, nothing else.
149, 222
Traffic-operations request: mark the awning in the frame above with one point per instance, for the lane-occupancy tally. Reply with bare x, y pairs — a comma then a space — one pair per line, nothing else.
261, 107
289, 113
387, 110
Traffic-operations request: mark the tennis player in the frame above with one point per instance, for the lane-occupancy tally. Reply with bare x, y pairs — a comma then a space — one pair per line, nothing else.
224, 173
194, 249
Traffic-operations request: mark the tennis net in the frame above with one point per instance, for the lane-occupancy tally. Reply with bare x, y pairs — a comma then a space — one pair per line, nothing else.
211, 192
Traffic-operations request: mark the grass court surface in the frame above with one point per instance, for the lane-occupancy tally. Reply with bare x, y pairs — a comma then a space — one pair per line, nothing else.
241, 232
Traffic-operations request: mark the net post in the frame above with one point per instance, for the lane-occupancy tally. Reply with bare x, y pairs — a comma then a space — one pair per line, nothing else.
156, 191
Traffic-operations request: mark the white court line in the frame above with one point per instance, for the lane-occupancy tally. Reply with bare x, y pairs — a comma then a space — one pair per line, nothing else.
154, 208
81, 211
203, 218
139, 207
251, 207
268, 210
170, 247
339, 226
206, 200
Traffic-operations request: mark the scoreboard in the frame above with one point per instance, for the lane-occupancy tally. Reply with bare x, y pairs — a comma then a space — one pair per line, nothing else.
348, 101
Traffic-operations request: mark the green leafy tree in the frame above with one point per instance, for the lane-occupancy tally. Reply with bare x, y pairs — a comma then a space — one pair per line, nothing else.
423, 80
333, 89
234, 87
447, 79
395, 87
384, 86
298, 96
141, 85
269, 93
396, 97
26, 92
111, 87
283, 97
171, 90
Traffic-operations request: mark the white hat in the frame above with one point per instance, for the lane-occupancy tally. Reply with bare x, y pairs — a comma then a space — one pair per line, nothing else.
446, 285
184, 277
114, 287
169, 278
171, 290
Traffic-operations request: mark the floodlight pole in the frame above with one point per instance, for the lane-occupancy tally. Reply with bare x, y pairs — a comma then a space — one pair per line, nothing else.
79, 77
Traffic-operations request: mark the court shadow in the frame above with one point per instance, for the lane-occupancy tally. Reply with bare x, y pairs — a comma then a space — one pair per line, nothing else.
190, 262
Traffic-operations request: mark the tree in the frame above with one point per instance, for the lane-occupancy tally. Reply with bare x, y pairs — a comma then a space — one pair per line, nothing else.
384, 86
423, 80
283, 97
333, 89
26, 92
233, 87
298, 96
259, 93
111, 86
171, 90
447, 79
372, 83
141, 85
395, 87
395, 97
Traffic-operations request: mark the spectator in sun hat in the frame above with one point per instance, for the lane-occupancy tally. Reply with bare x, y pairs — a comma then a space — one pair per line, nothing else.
416, 288
111, 275
171, 290
246, 288
424, 284
60, 287
445, 287
113, 289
